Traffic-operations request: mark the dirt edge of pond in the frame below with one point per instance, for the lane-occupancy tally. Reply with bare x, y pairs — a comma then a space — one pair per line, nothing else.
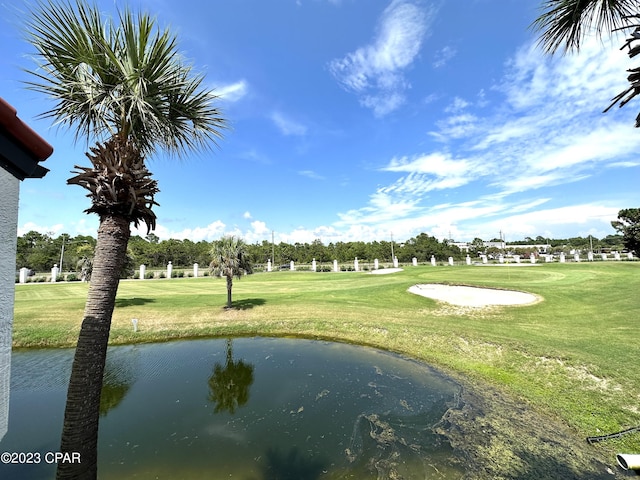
498, 438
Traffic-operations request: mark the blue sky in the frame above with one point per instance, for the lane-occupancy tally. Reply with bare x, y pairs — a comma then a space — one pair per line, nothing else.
358, 119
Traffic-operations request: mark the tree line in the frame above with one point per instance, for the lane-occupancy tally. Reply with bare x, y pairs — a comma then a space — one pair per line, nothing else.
41, 251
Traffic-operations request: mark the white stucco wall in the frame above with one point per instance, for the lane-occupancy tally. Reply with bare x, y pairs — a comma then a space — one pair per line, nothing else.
9, 193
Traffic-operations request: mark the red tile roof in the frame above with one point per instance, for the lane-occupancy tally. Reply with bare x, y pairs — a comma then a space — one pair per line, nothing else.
34, 146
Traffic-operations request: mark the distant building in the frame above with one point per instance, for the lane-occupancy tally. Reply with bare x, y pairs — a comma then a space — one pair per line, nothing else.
540, 248
464, 246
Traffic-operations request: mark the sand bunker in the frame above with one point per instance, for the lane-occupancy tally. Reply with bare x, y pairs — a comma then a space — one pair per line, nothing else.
383, 271
472, 296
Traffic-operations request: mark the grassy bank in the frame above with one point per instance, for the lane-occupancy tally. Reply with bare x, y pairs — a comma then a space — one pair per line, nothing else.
572, 355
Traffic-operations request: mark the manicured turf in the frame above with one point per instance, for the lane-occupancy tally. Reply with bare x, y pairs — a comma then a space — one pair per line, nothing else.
573, 355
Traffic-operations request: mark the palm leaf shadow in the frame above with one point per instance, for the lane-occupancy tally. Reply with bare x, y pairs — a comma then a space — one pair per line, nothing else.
247, 303
131, 302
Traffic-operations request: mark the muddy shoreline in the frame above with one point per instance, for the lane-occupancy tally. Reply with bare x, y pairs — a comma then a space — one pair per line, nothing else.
498, 437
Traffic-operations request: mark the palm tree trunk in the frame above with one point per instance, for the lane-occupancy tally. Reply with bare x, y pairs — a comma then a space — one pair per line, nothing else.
82, 412
229, 286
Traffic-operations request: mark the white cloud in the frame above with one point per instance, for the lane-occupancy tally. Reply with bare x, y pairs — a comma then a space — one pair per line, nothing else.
523, 183
232, 92
601, 143
585, 79
247, 215
54, 230
259, 227
456, 126
545, 222
375, 71
254, 156
311, 174
437, 163
383, 103
384, 206
551, 130
443, 56
257, 232
428, 172
457, 105
288, 126
485, 218
213, 231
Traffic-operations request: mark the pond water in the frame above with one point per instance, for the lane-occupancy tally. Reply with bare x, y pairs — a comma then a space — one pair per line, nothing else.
247, 408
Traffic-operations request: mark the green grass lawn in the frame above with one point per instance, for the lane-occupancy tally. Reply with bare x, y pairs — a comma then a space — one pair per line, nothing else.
573, 355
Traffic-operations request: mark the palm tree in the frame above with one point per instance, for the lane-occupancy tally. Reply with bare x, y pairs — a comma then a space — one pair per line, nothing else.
121, 84
230, 259
564, 23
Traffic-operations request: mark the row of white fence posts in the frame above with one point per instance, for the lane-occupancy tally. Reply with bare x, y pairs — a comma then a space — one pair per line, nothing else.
143, 270
24, 272
414, 262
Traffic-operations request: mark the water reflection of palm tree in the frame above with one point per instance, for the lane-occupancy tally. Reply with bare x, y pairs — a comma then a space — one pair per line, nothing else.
112, 395
229, 384
119, 376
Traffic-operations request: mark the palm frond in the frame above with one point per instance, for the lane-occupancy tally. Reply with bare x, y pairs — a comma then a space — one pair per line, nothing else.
564, 23
72, 67
123, 78
633, 90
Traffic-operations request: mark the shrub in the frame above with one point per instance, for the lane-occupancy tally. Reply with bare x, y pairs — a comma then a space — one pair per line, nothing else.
163, 275
148, 275
72, 277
